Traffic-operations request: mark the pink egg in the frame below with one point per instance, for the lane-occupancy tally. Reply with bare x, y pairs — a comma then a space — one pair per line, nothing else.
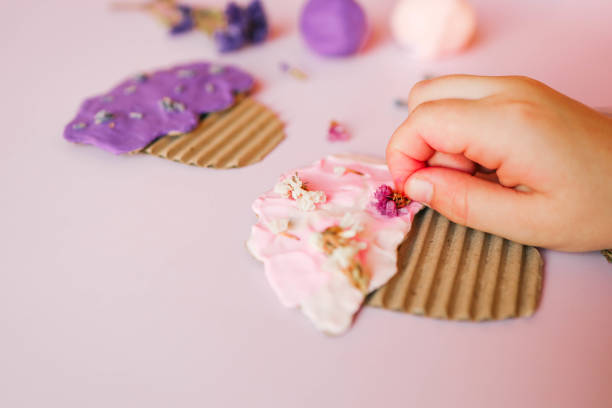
433, 28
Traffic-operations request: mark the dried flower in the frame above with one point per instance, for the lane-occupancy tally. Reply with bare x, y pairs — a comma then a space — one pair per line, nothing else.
140, 78
79, 125
351, 225
103, 116
293, 187
294, 72
185, 73
337, 132
129, 90
170, 105
229, 39
389, 202
339, 244
341, 171
186, 22
246, 25
258, 23
209, 87
136, 115
215, 69
280, 227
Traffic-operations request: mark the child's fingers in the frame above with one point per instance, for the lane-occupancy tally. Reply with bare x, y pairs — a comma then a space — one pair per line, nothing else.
452, 161
455, 87
451, 126
472, 201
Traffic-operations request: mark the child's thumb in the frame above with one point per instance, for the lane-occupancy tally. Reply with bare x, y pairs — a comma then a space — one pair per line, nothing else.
469, 200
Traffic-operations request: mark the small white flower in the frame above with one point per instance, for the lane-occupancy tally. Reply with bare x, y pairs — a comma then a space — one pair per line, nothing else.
293, 187
317, 197
308, 199
351, 225
289, 187
317, 241
304, 204
339, 170
279, 225
282, 188
342, 257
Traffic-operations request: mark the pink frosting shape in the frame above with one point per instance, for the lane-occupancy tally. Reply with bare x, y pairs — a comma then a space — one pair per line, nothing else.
298, 272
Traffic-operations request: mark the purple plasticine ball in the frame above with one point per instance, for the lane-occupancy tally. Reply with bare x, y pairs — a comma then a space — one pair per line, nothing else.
333, 28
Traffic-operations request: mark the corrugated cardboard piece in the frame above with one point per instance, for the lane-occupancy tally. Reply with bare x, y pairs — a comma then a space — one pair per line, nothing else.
448, 271
239, 136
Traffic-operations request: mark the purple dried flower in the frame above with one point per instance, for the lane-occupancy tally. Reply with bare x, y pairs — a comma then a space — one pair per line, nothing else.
388, 202
243, 26
383, 192
230, 39
258, 24
186, 23
234, 15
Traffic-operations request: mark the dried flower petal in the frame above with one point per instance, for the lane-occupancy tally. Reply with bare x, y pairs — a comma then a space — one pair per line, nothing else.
337, 132
185, 73
388, 202
279, 225
247, 25
103, 116
170, 105
293, 187
186, 22
341, 247
339, 170
257, 30
294, 72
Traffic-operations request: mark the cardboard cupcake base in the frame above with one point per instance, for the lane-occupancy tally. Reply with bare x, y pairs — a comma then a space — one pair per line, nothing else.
448, 271
239, 136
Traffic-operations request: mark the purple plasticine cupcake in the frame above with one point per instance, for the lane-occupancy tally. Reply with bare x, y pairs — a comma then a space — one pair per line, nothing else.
148, 106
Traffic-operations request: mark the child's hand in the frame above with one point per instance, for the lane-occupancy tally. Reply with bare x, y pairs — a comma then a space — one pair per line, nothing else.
552, 157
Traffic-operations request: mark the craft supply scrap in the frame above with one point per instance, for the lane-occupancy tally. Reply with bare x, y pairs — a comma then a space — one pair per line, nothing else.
231, 28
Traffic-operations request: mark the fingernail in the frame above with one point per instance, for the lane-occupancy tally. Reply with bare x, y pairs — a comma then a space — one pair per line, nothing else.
419, 190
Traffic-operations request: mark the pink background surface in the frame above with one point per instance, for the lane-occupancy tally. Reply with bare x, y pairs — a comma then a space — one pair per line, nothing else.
124, 281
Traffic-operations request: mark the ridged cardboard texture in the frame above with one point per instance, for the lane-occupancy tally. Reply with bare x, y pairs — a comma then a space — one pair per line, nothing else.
239, 136
448, 271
